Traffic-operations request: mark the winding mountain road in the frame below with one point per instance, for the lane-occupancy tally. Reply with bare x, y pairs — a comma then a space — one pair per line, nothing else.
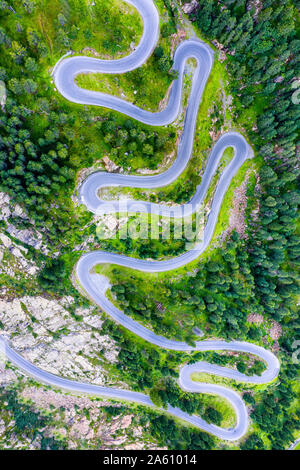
95, 285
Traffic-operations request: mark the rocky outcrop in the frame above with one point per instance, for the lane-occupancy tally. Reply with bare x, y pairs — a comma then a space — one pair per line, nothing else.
110, 166
29, 236
13, 261
45, 333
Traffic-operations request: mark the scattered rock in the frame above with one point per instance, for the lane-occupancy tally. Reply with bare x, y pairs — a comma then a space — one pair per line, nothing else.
237, 214
275, 330
188, 8
255, 318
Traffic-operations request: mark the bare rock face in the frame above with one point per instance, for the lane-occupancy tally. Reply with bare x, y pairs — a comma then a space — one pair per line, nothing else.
29, 237
7, 209
4, 206
45, 333
6, 375
108, 225
2, 94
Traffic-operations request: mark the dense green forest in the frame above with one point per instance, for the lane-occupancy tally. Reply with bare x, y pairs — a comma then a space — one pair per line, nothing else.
45, 142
